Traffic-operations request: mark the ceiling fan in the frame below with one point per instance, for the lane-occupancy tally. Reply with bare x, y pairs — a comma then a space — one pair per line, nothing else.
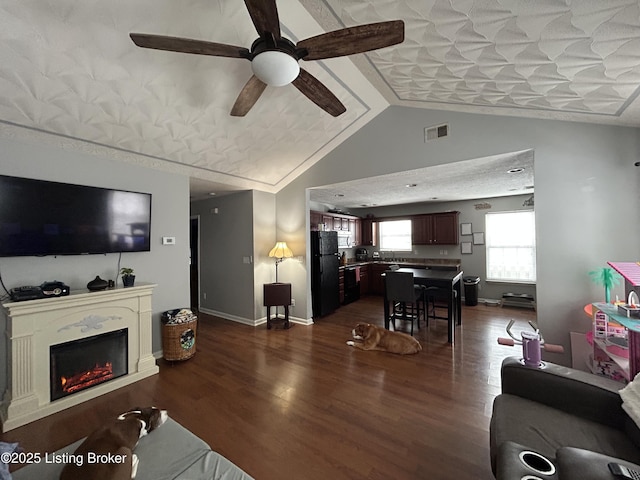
274, 59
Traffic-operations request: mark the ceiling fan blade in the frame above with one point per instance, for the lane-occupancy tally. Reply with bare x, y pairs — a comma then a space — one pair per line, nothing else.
315, 91
187, 45
264, 14
349, 41
248, 97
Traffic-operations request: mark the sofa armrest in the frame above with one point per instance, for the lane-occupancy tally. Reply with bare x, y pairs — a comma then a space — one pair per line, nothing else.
586, 465
584, 394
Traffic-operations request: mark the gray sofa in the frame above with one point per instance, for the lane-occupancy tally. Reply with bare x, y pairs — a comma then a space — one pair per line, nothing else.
169, 453
559, 423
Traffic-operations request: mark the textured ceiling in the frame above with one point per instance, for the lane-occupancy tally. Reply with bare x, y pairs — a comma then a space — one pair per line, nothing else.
70, 68
70, 75
548, 58
488, 177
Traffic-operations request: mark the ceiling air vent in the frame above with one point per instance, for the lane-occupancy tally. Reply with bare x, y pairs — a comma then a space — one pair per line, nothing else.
433, 133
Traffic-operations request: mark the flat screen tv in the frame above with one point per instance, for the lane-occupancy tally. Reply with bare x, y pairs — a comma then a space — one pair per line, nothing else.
49, 218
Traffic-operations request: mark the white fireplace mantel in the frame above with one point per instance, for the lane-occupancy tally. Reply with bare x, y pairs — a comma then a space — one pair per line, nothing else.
34, 325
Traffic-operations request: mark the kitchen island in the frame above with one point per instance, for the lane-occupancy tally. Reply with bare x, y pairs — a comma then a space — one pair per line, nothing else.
448, 280
370, 271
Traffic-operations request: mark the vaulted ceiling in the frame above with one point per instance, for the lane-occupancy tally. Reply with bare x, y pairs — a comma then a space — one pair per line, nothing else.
69, 74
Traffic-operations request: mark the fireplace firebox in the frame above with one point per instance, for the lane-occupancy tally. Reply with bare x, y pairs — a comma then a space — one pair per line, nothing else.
83, 363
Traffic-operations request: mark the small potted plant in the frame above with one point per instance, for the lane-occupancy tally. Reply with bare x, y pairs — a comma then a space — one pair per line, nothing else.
128, 278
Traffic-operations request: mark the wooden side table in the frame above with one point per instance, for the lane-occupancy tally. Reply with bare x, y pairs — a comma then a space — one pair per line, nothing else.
275, 295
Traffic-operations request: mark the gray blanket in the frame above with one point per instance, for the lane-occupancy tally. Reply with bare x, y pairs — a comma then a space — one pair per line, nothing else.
6, 448
169, 453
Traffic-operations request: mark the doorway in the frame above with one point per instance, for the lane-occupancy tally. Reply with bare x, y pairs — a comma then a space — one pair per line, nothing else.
194, 245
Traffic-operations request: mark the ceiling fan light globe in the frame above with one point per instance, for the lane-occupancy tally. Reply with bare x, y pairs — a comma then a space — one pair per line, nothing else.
274, 68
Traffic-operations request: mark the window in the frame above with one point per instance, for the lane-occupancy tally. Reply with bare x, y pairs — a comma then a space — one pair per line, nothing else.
511, 246
395, 235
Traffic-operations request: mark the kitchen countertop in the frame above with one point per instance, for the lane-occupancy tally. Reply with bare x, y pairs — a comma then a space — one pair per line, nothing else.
407, 262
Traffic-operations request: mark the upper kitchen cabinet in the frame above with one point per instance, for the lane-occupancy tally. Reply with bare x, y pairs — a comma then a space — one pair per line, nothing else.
435, 229
445, 228
421, 230
336, 222
368, 231
355, 229
315, 219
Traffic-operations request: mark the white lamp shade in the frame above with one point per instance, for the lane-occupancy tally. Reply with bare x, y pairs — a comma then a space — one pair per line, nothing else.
274, 68
281, 251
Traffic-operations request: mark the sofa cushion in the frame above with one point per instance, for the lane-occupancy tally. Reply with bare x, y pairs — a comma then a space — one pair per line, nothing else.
546, 429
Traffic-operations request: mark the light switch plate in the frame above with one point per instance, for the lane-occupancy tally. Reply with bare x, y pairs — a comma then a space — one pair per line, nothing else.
168, 240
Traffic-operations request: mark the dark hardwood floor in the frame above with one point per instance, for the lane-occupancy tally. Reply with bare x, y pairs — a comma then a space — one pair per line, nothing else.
302, 404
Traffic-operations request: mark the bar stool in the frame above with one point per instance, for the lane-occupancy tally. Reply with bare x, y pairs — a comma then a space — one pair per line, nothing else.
406, 299
437, 297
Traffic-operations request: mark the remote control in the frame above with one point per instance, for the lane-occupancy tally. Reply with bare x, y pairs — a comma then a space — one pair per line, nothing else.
623, 472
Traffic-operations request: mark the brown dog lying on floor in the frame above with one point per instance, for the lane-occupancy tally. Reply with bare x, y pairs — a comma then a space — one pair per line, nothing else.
107, 454
372, 337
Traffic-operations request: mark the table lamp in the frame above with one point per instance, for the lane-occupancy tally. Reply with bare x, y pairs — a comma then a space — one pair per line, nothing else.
279, 252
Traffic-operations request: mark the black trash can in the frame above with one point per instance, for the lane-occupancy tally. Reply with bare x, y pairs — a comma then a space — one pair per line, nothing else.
471, 285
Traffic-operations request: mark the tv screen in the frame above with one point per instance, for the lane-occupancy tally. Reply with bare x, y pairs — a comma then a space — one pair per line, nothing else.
49, 218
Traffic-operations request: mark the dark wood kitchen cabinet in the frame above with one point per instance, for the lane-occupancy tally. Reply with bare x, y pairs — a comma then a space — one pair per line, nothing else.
435, 229
322, 219
421, 230
315, 218
364, 279
335, 222
341, 284
368, 231
376, 285
354, 231
445, 228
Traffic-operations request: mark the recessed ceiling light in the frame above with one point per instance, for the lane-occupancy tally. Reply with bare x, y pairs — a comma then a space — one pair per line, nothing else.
212, 194
515, 170
434, 198
338, 195
411, 185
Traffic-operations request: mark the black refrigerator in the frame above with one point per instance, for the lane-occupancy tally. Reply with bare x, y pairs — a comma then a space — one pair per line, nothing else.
325, 291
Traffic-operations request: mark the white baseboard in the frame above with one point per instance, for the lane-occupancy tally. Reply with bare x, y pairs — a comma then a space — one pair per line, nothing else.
486, 301
300, 321
253, 323
228, 316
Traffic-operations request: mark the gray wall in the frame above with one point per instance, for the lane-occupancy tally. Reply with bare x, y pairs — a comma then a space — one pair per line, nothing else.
584, 179
234, 248
167, 266
226, 282
264, 239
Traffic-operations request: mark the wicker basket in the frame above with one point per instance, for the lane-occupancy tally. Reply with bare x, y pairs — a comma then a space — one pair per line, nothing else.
179, 340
